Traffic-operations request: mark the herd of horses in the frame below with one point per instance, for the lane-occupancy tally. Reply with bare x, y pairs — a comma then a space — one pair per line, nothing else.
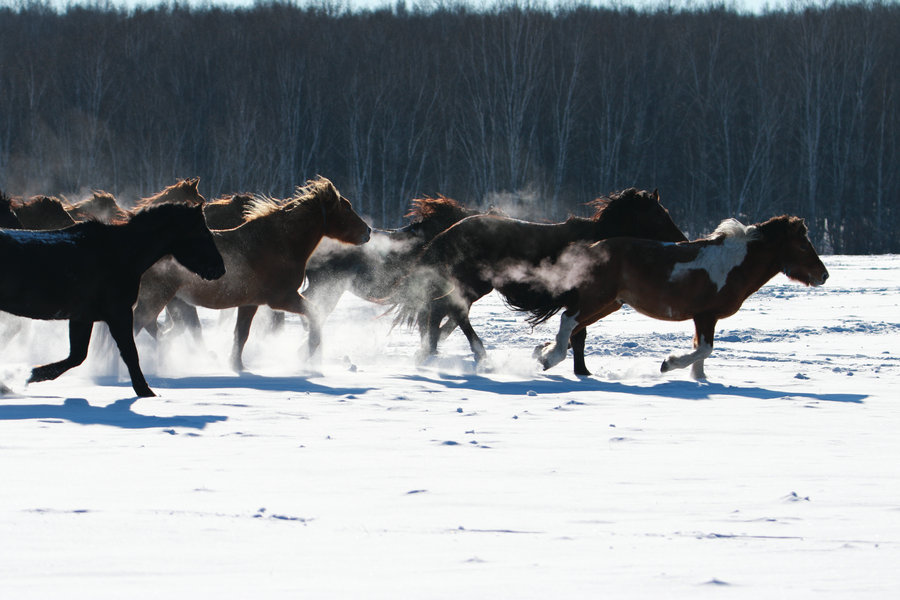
95, 261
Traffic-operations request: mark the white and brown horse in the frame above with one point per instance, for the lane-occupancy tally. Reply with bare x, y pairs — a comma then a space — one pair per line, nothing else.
704, 280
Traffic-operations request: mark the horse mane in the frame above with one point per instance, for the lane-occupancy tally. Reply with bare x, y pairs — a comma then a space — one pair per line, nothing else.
427, 207
227, 200
605, 205
303, 201
99, 203
180, 188
734, 230
783, 226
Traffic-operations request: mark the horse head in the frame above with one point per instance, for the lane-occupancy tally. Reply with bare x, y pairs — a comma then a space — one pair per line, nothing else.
193, 244
636, 213
799, 260
184, 191
339, 219
430, 216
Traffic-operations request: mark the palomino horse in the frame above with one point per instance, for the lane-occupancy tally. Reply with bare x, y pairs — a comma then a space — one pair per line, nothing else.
370, 271
101, 206
265, 260
42, 213
8, 219
704, 280
485, 252
92, 271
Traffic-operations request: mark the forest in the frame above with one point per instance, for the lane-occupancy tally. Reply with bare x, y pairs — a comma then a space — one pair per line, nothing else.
532, 109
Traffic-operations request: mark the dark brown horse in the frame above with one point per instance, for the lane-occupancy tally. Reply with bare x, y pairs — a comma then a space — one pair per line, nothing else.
265, 260
8, 219
91, 272
371, 271
704, 280
101, 206
42, 213
482, 253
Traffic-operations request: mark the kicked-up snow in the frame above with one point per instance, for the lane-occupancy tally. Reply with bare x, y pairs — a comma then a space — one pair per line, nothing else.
362, 475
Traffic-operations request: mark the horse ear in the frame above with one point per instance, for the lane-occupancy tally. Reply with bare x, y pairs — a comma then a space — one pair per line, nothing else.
194, 182
655, 194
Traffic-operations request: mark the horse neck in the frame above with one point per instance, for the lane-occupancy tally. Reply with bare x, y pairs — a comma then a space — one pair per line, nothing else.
759, 265
144, 242
300, 233
579, 228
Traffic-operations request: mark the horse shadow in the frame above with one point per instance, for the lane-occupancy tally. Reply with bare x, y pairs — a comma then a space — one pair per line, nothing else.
266, 383
118, 414
681, 390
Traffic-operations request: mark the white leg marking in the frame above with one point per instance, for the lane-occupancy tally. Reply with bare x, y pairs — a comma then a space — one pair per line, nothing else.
554, 352
680, 361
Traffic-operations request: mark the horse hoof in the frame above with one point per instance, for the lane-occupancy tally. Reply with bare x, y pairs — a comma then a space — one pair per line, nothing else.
538, 352
145, 393
665, 368
582, 372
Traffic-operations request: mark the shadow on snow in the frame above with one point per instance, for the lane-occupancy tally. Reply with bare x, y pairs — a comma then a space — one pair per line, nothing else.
117, 414
683, 390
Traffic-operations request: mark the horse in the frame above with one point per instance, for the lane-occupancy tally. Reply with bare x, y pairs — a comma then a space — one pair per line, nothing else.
486, 252
370, 271
91, 272
228, 212
101, 206
704, 280
184, 191
8, 219
42, 213
265, 260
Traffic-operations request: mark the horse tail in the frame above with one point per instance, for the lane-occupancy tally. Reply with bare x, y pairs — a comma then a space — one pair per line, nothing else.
540, 304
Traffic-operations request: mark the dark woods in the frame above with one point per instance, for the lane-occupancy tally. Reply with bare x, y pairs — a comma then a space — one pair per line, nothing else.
531, 109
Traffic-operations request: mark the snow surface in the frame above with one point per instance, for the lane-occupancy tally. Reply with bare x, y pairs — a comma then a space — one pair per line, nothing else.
365, 476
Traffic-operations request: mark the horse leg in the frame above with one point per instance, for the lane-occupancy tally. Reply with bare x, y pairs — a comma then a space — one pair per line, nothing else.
79, 339
704, 327
121, 329
429, 329
446, 329
460, 314
297, 304
577, 340
185, 314
241, 333
553, 353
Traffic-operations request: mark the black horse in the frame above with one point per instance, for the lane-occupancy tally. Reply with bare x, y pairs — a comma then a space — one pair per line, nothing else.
92, 271
8, 219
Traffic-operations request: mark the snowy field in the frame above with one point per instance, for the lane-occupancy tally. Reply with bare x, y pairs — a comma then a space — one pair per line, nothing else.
364, 476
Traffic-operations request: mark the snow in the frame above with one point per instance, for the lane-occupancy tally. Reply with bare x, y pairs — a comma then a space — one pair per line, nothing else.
365, 476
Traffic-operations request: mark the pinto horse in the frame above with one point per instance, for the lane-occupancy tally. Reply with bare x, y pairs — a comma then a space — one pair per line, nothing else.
485, 252
370, 271
704, 280
265, 260
92, 271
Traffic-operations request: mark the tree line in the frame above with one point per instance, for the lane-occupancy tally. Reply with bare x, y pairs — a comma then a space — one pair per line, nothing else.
531, 109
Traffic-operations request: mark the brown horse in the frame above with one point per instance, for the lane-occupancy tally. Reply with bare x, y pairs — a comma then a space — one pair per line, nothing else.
101, 206
485, 252
265, 260
228, 212
704, 280
371, 271
91, 272
184, 190
42, 213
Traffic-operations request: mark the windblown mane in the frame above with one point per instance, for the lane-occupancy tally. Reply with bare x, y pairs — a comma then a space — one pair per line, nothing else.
181, 191
101, 205
605, 205
441, 207
734, 229
306, 198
